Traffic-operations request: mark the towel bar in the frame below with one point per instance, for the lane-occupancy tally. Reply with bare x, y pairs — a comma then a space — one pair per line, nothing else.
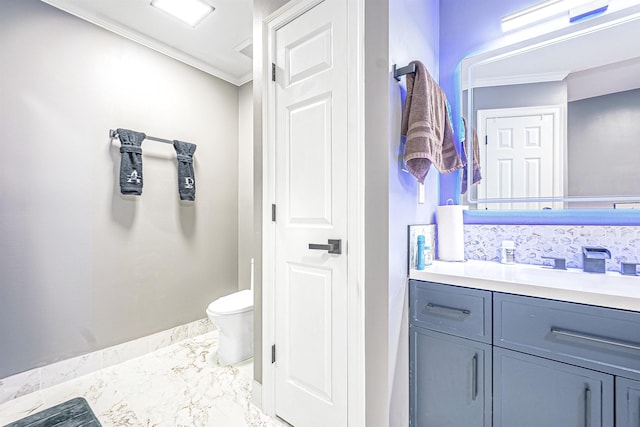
114, 134
399, 72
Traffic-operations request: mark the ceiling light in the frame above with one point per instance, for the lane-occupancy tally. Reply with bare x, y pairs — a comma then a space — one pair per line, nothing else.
543, 11
192, 12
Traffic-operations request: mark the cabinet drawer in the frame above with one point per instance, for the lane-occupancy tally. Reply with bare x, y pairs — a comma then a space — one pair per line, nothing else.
451, 309
604, 339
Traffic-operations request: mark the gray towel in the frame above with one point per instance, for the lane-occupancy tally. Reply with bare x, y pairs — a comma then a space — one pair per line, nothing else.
130, 161
186, 177
477, 175
427, 126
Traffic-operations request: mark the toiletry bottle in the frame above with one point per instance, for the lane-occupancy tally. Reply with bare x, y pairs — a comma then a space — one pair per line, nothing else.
420, 253
428, 256
508, 252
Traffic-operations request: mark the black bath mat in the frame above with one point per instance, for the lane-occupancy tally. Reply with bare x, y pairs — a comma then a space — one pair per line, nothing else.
72, 413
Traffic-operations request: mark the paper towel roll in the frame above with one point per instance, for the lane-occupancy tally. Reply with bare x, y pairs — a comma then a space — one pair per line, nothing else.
450, 233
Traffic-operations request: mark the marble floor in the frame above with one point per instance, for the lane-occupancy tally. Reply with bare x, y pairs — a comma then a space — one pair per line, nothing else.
179, 385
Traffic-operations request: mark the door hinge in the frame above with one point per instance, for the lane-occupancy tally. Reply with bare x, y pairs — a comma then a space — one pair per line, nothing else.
486, 140
273, 213
273, 72
273, 353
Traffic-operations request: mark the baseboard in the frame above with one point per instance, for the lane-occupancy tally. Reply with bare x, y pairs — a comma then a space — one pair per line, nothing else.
49, 375
256, 394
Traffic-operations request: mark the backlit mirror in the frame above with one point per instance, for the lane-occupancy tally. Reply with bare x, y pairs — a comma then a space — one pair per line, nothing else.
557, 120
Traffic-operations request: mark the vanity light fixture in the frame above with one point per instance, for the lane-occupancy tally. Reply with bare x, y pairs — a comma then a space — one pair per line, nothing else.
191, 12
588, 10
550, 9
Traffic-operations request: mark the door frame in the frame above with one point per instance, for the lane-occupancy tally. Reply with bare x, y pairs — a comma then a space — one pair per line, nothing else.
559, 113
355, 189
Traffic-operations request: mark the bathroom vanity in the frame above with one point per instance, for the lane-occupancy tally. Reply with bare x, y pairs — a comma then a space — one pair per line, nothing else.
522, 345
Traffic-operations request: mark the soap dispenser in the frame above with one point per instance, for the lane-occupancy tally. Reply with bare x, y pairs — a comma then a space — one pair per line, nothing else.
420, 253
508, 252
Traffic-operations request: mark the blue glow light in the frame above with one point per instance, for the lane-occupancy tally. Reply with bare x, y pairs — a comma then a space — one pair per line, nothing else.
549, 217
589, 14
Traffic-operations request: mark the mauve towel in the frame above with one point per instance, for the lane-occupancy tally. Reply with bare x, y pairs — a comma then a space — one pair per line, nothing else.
475, 158
186, 177
130, 161
427, 126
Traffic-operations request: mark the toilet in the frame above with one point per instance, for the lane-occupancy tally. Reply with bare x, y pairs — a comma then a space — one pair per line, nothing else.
233, 316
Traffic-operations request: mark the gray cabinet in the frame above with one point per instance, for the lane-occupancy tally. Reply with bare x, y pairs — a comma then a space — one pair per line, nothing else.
531, 391
450, 356
482, 358
450, 380
627, 403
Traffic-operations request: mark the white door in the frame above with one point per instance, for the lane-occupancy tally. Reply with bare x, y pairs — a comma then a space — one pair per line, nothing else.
311, 204
521, 157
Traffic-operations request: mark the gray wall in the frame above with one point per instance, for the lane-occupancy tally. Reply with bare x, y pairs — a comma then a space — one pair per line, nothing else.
245, 184
603, 151
413, 34
376, 215
513, 96
82, 267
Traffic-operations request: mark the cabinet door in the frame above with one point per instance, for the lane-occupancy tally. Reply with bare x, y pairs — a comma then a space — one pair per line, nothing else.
627, 403
530, 391
450, 380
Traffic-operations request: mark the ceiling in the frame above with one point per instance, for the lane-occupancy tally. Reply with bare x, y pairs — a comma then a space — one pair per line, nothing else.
595, 49
215, 46
608, 48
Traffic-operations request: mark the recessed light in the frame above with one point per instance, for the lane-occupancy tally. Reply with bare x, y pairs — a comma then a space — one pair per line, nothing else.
191, 12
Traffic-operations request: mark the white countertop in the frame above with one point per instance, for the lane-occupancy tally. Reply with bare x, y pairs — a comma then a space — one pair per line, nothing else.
607, 290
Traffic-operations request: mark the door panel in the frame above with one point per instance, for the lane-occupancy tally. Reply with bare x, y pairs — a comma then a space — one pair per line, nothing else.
310, 55
309, 329
309, 161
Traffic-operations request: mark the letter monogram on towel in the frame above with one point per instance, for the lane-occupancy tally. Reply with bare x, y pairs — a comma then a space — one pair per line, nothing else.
130, 161
186, 176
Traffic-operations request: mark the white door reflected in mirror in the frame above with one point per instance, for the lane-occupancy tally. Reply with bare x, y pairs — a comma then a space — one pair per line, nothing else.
522, 156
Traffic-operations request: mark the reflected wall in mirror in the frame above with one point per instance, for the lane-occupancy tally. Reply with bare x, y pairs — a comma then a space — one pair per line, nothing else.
558, 120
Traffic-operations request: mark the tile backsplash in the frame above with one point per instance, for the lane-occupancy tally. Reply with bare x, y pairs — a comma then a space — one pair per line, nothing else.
483, 242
